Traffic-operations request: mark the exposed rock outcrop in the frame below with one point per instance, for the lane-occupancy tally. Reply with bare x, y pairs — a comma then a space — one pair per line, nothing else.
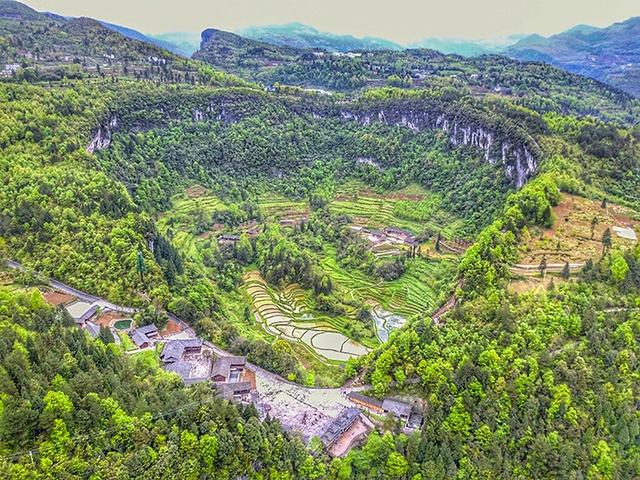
515, 152
102, 138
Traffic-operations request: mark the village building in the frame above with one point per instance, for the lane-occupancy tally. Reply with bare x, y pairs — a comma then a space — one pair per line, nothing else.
228, 239
81, 311
187, 358
9, 69
371, 404
93, 329
398, 409
174, 350
145, 336
398, 234
235, 391
228, 369
344, 431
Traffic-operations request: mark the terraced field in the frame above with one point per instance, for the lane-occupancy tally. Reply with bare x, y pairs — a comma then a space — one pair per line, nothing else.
378, 211
419, 291
276, 206
182, 218
285, 314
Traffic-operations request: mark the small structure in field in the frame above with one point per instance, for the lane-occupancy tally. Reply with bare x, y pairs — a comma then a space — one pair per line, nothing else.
145, 336
625, 232
228, 239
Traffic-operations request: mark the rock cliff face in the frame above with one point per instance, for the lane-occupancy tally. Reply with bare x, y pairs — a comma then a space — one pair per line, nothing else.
515, 154
501, 142
102, 138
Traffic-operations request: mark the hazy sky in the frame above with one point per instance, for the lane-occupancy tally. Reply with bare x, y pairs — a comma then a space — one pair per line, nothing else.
398, 20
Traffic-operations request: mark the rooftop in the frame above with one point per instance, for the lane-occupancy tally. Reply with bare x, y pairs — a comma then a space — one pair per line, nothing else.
173, 350
358, 397
399, 409
222, 365
340, 425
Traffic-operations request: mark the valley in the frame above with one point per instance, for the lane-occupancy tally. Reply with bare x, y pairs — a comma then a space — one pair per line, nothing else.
273, 261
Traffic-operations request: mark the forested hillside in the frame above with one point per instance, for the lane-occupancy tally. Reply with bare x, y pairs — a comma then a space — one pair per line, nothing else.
254, 214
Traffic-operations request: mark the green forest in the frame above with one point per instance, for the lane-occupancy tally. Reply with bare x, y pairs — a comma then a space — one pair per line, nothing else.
388, 217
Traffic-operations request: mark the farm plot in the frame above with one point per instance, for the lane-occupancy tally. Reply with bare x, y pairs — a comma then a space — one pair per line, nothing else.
418, 291
397, 209
279, 207
190, 220
576, 234
285, 314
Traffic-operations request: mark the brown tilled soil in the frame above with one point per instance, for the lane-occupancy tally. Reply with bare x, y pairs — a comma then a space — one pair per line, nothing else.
171, 329
195, 191
105, 319
57, 298
570, 237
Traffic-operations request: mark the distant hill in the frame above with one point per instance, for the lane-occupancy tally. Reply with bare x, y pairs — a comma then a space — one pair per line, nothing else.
186, 42
467, 47
45, 46
299, 35
610, 54
136, 35
239, 55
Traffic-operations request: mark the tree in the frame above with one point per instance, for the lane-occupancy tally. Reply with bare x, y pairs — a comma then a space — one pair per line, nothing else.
397, 465
543, 266
140, 266
105, 335
438, 240
604, 203
594, 222
619, 267
606, 240
566, 272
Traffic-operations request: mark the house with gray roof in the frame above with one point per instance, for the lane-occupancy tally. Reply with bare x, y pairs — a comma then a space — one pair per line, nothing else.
144, 336
397, 408
175, 350
339, 426
235, 390
228, 369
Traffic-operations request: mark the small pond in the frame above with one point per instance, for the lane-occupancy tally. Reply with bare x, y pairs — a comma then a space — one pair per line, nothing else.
122, 324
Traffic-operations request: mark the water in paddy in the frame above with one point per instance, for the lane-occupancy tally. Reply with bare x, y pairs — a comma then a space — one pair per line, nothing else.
386, 322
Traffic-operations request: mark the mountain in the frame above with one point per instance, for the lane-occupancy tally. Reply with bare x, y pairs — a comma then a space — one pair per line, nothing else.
413, 68
610, 54
186, 42
154, 40
467, 47
235, 54
299, 35
46, 46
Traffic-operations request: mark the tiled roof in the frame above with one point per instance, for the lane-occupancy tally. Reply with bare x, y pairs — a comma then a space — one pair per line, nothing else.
223, 364
340, 425
93, 329
364, 399
399, 409
173, 350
